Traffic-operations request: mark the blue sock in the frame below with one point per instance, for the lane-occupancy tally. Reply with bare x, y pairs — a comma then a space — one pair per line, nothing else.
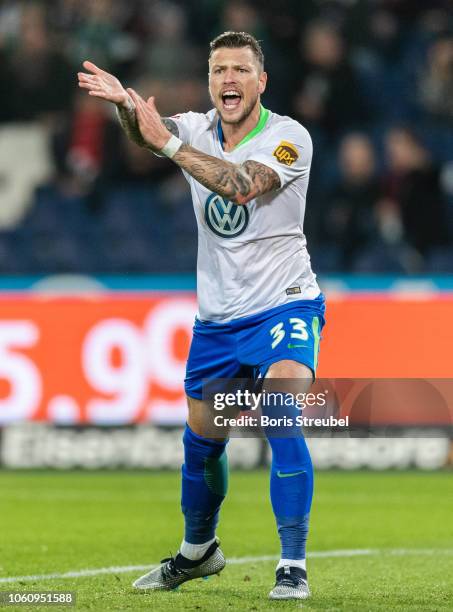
291, 485
204, 485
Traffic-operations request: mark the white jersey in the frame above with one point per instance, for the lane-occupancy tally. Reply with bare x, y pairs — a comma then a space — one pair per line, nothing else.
253, 257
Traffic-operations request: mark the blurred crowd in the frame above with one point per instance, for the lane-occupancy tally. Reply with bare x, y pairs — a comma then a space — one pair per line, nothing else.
372, 80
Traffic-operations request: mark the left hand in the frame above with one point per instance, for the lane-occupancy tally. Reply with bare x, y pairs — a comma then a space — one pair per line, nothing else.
154, 132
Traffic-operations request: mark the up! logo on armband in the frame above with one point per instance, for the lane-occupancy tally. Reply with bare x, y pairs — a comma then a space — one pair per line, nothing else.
286, 153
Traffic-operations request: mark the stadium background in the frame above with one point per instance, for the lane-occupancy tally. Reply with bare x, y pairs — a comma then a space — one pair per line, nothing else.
98, 252
98, 238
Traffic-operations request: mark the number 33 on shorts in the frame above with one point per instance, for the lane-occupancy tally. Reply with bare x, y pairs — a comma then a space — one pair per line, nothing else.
299, 332
296, 337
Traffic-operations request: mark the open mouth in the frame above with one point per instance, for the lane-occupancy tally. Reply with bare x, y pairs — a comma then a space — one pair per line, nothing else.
231, 99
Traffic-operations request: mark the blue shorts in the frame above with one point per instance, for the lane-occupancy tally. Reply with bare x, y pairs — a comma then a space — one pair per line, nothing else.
247, 347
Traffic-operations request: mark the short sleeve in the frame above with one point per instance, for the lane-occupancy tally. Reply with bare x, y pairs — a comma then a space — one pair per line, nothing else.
187, 124
287, 150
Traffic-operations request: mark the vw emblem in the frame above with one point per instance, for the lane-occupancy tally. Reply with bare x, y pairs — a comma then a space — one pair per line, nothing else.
225, 218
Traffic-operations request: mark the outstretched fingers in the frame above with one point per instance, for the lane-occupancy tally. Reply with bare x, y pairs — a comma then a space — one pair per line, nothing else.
97, 93
149, 107
149, 122
87, 80
139, 102
90, 82
141, 108
92, 67
152, 103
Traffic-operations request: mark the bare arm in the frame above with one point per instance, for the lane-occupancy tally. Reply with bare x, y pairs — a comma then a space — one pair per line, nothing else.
238, 183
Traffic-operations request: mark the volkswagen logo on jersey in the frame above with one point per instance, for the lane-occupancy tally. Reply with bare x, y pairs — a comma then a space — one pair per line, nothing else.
225, 218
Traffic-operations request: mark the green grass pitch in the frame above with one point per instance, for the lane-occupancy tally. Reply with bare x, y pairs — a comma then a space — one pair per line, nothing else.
400, 526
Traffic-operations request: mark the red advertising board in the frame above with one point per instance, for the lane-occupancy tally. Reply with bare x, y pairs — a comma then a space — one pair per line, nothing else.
120, 358
388, 337
98, 359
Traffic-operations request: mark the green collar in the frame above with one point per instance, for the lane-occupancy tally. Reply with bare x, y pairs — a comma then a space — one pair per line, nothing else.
264, 116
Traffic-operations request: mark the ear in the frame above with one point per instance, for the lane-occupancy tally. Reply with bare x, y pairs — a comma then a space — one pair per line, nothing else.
262, 81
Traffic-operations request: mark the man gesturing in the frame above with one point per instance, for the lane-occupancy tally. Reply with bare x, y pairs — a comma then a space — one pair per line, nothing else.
260, 308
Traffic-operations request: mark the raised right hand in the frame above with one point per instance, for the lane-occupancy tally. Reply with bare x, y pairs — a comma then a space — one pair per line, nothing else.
101, 84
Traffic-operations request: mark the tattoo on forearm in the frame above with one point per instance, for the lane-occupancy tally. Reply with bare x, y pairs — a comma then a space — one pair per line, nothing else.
264, 177
239, 183
129, 124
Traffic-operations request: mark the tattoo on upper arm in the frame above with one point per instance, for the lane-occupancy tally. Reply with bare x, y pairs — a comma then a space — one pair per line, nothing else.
171, 126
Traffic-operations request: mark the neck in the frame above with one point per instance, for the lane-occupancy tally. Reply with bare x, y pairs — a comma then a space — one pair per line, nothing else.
233, 133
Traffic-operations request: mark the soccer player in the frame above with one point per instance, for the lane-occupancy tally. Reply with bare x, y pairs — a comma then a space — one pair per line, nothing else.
260, 308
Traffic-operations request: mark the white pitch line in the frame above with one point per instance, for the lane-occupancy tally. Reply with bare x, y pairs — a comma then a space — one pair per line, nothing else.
321, 554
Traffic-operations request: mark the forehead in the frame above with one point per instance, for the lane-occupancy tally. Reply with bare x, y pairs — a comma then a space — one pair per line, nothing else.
232, 56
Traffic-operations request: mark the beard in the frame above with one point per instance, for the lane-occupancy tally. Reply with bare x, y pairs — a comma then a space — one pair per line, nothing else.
244, 115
